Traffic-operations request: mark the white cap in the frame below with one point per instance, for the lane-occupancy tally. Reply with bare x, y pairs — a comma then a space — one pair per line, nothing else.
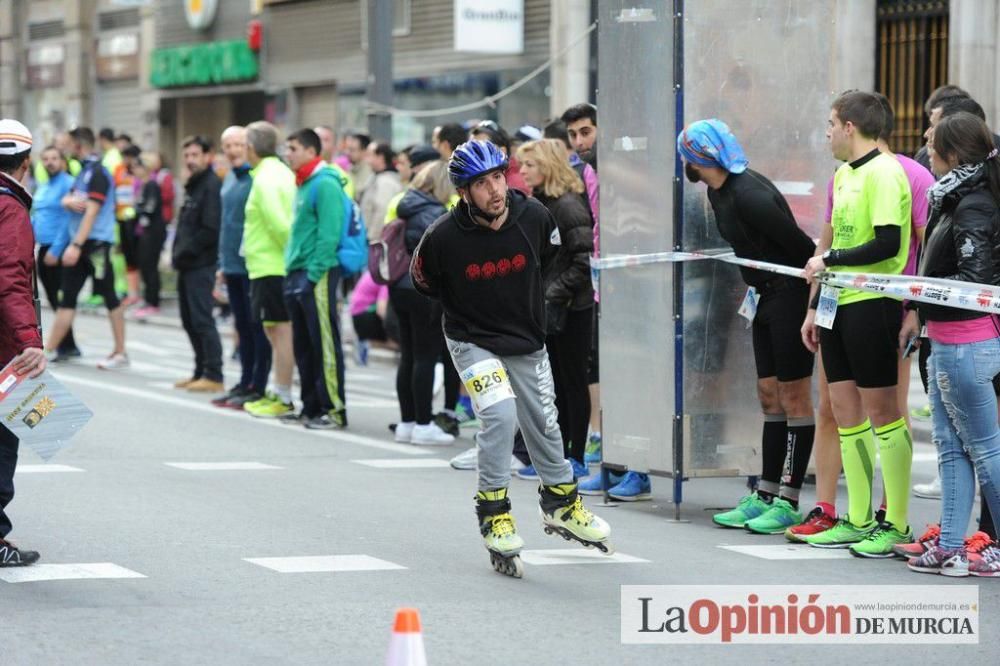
14, 137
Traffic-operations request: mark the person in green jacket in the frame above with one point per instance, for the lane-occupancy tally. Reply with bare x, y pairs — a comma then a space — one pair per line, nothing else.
266, 230
311, 283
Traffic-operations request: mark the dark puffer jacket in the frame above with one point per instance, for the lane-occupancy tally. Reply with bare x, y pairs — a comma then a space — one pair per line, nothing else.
962, 243
567, 278
420, 210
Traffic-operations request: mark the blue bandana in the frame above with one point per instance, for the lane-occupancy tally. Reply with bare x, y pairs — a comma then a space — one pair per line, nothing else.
710, 143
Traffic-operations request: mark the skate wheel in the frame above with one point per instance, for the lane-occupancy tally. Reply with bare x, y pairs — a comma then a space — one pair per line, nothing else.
548, 530
606, 548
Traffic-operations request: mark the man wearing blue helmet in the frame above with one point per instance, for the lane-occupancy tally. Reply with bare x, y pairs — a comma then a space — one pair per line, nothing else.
484, 261
754, 218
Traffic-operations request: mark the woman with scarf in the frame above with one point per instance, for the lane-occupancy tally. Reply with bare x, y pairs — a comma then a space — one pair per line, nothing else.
963, 243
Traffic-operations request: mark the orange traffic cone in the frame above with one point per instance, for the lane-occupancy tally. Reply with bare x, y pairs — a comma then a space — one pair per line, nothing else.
407, 645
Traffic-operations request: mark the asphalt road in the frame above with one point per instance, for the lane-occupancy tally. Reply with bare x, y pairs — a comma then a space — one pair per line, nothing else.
178, 556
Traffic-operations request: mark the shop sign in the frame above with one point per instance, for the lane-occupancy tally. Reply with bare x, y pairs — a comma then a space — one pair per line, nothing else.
45, 66
200, 13
118, 57
489, 26
203, 64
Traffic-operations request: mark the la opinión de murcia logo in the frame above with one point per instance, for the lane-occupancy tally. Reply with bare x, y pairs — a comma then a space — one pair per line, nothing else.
786, 614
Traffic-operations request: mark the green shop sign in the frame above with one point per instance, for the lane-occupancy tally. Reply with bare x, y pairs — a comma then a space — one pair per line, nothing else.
203, 64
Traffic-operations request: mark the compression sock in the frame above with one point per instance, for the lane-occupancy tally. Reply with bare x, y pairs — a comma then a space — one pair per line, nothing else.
896, 451
774, 439
857, 450
801, 433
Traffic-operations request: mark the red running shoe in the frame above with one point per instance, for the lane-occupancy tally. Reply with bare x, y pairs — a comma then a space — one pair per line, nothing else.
817, 521
927, 540
976, 544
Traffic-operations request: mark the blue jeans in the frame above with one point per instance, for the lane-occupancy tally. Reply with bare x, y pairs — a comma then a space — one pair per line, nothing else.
255, 350
965, 431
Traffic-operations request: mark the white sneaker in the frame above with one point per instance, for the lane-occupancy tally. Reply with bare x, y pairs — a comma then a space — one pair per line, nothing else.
429, 435
930, 490
404, 432
516, 465
114, 362
466, 459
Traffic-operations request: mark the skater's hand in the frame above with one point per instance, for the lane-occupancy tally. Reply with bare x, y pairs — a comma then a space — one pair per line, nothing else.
30, 362
71, 255
909, 330
810, 332
51, 259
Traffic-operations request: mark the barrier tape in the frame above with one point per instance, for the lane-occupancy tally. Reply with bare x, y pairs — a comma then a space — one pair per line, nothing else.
937, 291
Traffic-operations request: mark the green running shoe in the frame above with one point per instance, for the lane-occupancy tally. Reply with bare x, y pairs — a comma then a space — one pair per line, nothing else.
922, 413
843, 534
775, 520
268, 407
749, 508
880, 541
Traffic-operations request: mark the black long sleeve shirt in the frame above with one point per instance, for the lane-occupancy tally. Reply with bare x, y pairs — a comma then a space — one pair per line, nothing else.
754, 218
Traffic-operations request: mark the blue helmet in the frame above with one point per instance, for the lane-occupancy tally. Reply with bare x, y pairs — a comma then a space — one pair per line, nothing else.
473, 159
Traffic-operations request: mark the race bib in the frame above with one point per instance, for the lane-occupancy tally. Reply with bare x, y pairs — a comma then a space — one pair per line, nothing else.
826, 312
487, 383
748, 309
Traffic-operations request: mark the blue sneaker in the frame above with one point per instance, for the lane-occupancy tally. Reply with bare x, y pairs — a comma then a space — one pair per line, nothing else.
528, 473
593, 451
579, 469
592, 485
634, 487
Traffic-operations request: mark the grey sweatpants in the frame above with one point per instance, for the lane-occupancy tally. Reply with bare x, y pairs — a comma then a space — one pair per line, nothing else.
534, 410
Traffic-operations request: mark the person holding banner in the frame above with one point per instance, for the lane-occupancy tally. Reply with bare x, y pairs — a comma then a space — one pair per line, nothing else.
20, 336
859, 329
754, 218
963, 244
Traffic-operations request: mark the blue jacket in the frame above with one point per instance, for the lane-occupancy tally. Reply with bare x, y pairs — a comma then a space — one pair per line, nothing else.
48, 217
94, 182
235, 190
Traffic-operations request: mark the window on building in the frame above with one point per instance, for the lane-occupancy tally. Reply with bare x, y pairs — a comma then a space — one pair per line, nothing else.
400, 19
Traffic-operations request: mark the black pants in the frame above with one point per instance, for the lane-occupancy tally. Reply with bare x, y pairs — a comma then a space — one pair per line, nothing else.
568, 353
150, 246
51, 278
255, 350
8, 461
194, 291
319, 355
420, 342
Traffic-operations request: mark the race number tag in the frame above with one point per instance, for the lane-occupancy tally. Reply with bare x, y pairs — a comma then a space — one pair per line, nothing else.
748, 310
827, 309
487, 383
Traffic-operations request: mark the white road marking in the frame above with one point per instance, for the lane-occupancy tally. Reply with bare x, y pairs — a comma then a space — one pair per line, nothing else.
323, 563
580, 556
791, 552
146, 348
45, 469
338, 436
221, 466
43, 572
402, 463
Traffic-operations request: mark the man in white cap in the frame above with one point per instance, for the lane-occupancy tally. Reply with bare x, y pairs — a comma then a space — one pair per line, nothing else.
20, 338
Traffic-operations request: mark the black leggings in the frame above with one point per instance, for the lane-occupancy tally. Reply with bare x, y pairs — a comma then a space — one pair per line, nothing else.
568, 354
51, 278
420, 341
150, 245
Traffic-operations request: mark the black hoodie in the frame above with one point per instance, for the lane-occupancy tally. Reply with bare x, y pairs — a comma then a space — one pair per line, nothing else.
490, 282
